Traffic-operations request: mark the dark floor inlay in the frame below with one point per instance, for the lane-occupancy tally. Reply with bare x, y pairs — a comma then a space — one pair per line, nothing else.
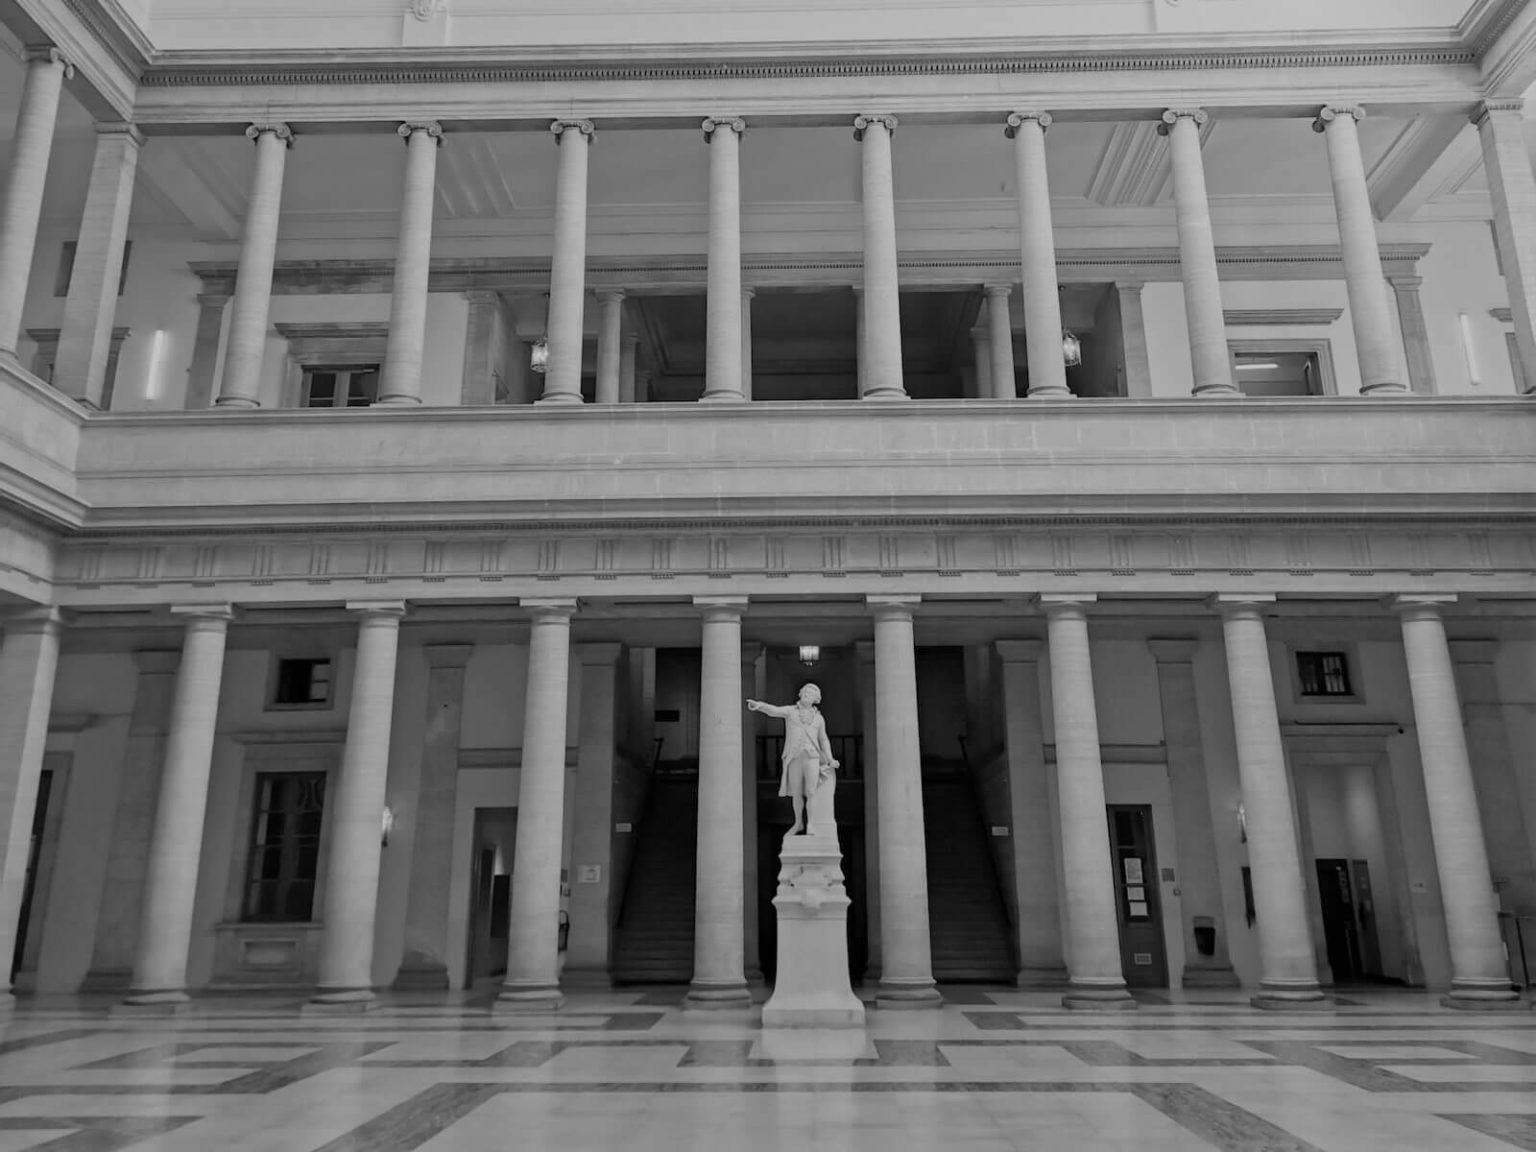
409, 1125
1218, 1122
1517, 1129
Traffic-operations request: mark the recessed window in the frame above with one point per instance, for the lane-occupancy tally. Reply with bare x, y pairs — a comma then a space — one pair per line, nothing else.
303, 682
284, 856
1323, 674
340, 386
1278, 373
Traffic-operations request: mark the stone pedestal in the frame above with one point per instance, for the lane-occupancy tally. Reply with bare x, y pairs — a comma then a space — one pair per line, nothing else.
812, 988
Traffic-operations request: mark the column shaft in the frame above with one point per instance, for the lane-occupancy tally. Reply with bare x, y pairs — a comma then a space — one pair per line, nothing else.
869, 724
403, 354
1479, 974
609, 344
1037, 249
1000, 325
722, 348
1133, 336
533, 979
1288, 968
906, 974
881, 345
1095, 976
352, 862
628, 350
22, 208
1197, 256
29, 658
1375, 341
1500, 128
981, 354
176, 845
85, 343
751, 951
201, 373
1410, 316
718, 944
568, 266
592, 897
746, 342
247, 341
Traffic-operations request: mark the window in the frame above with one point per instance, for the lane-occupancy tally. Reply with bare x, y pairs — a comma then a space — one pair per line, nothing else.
340, 386
1323, 674
303, 683
1282, 367
285, 846
66, 270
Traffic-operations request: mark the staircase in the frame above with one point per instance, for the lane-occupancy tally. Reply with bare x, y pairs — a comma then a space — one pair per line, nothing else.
653, 943
967, 923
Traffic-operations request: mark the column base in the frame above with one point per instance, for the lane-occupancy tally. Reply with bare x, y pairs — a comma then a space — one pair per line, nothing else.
1046, 976
887, 393
560, 398
1210, 976
1292, 998
531, 999
1493, 996
1098, 998
704, 996
399, 401
1218, 392
340, 1002
909, 993
1384, 388
157, 1002
1049, 394
722, 398
236, 402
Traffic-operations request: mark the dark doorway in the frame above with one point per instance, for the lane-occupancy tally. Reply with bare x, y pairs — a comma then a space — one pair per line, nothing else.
1134, 861
491, 892
1349, 920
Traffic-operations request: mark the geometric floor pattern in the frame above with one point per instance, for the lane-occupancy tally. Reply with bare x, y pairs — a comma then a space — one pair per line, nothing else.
994, 1069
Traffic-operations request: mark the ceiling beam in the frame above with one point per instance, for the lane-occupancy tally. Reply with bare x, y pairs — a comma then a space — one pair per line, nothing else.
1136, 165
182, 176
1414, 167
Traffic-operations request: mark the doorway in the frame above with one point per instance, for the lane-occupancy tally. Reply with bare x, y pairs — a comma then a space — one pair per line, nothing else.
1133, 858
495, 840
1349, 920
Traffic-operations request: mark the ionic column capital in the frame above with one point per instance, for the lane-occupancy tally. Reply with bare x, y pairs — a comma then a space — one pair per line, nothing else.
748, 292
49, 54
409, 129
1066, 603
542, 608
861, 122
1172, 116
204, 614
1420, 603
1406, 283
1017, 120
585, 127
888, 607
259, 128
1331, 112
1173, 650
608, 295
1004, 290
720, 608
377, 609
1240, 603
735, 123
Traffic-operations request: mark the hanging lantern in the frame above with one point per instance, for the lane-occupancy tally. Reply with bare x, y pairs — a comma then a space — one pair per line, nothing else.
810, 654
1071, 349
538, 360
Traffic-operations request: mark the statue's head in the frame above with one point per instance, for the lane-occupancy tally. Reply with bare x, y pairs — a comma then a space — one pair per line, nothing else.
810, 694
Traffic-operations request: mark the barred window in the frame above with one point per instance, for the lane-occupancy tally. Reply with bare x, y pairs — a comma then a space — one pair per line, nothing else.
1323, 674
285, 846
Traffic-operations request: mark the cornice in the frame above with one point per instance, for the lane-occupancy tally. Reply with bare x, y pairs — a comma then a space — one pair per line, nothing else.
118, 33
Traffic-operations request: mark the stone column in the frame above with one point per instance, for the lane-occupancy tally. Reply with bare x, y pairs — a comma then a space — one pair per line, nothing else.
1410, 314
751, 961
1501, 129
629, 347
593, 898
610, 323
29, 657
127, 853
718, 975
1375, 342
351, 894
881, 345
1288, 967
869, 723
85, 342
22, 207
906, 962
1494, 772
723, 347
746, 342
1199, 878
1000, 325
568, 267
205, 350
1096, 978
1479, 975
1133, 335
1034, 840
1197, 255
176, 845
982, 354
247, 341
424, 963
533, 977
404, 352
1037, 248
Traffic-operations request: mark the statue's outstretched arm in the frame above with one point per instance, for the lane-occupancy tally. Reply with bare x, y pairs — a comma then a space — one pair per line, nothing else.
780, 711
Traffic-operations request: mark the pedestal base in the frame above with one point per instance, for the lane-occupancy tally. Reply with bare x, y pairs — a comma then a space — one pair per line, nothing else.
811, 989
531, 1000
1198, 976
341, 1002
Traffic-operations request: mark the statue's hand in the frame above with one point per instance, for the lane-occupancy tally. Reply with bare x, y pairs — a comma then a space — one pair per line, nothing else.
754, 705
832, 766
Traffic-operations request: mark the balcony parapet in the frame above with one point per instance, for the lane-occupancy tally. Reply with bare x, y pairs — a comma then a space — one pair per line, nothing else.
39, 443
1335, 457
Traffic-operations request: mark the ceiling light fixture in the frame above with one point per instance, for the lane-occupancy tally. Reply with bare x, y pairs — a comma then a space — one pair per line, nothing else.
1255, 365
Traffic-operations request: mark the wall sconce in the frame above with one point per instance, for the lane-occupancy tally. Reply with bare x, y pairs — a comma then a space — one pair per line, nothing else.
1242, 824
386, 823
1071, 349
538, 357
809, 655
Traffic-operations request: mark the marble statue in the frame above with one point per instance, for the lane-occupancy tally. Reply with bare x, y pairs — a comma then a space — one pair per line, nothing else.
807, 768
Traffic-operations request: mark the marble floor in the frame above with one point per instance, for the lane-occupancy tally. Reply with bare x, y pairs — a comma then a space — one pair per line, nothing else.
994, 1069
